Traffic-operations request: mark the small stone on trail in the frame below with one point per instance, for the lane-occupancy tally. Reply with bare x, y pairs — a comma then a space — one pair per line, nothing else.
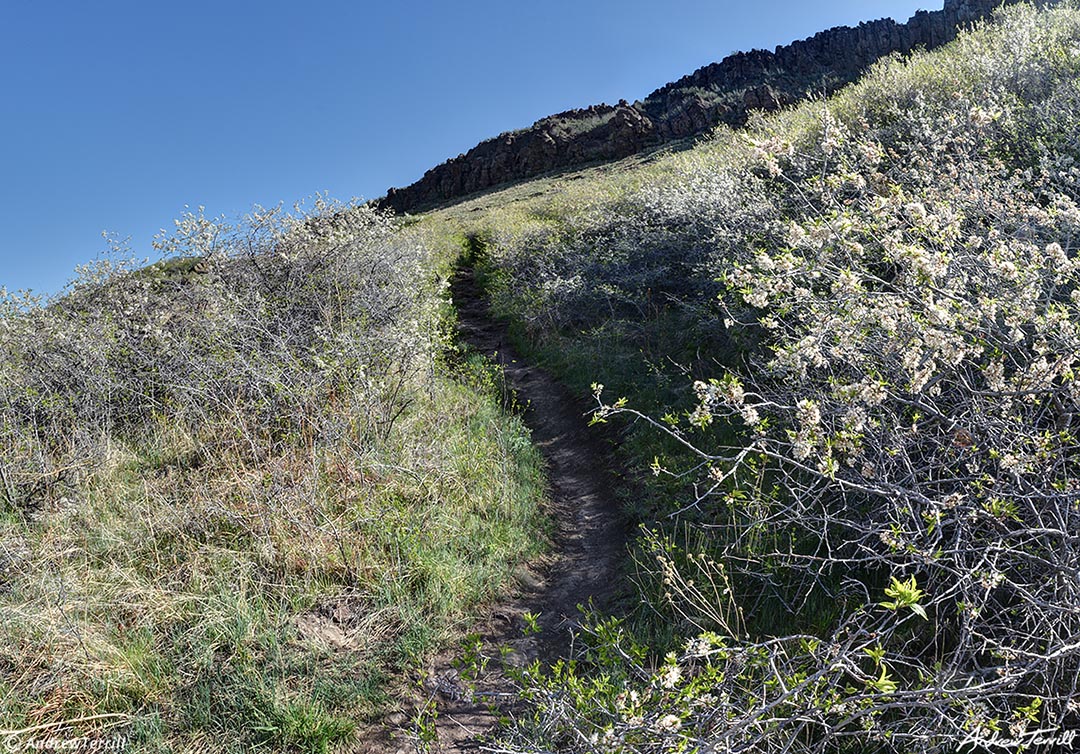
527, 578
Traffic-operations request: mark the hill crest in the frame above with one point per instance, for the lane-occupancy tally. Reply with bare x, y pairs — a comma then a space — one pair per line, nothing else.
719, 93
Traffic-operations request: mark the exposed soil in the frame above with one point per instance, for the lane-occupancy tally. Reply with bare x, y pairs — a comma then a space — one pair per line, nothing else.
588, 545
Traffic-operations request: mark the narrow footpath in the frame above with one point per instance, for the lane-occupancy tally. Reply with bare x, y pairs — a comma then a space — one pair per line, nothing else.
589, 538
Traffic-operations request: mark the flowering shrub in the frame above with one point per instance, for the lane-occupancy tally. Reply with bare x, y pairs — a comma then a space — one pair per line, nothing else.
891, 551
262, 325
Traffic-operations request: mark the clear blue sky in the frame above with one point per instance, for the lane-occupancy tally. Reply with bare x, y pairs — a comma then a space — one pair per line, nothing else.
114, 114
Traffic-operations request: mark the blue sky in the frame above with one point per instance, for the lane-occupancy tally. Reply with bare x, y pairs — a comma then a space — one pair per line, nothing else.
114, 114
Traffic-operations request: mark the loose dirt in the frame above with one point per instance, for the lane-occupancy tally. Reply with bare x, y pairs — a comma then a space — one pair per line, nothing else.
589, 541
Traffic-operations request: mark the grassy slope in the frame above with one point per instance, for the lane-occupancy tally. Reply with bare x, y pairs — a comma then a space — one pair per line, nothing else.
279, 592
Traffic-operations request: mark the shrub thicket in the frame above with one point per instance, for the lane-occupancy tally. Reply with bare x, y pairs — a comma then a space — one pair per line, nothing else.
242, 495
882, 551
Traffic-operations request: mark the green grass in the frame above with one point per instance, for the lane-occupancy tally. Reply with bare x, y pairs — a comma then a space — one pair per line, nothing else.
280, 606
265, 551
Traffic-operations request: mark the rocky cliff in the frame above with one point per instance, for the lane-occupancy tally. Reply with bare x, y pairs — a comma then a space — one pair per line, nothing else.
723, 92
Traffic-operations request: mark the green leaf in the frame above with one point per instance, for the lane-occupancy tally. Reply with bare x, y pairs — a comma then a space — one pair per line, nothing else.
884, 683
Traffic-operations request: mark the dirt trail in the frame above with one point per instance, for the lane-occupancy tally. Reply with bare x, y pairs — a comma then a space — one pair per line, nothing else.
589, 541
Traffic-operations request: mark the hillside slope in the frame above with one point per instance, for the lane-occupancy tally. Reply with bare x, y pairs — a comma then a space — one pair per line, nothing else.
720, 93
846, 342
246, 492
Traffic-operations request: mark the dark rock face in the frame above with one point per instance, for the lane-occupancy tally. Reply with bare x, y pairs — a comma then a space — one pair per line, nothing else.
601, 132
719, 93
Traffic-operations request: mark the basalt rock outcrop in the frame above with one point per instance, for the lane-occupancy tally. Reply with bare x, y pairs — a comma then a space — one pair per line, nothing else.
719, 93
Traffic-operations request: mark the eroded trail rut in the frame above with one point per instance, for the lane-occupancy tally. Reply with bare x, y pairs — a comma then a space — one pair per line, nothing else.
589, 540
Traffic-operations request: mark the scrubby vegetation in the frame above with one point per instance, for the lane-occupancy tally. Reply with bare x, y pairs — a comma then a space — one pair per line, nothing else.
846, 341
246, 491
